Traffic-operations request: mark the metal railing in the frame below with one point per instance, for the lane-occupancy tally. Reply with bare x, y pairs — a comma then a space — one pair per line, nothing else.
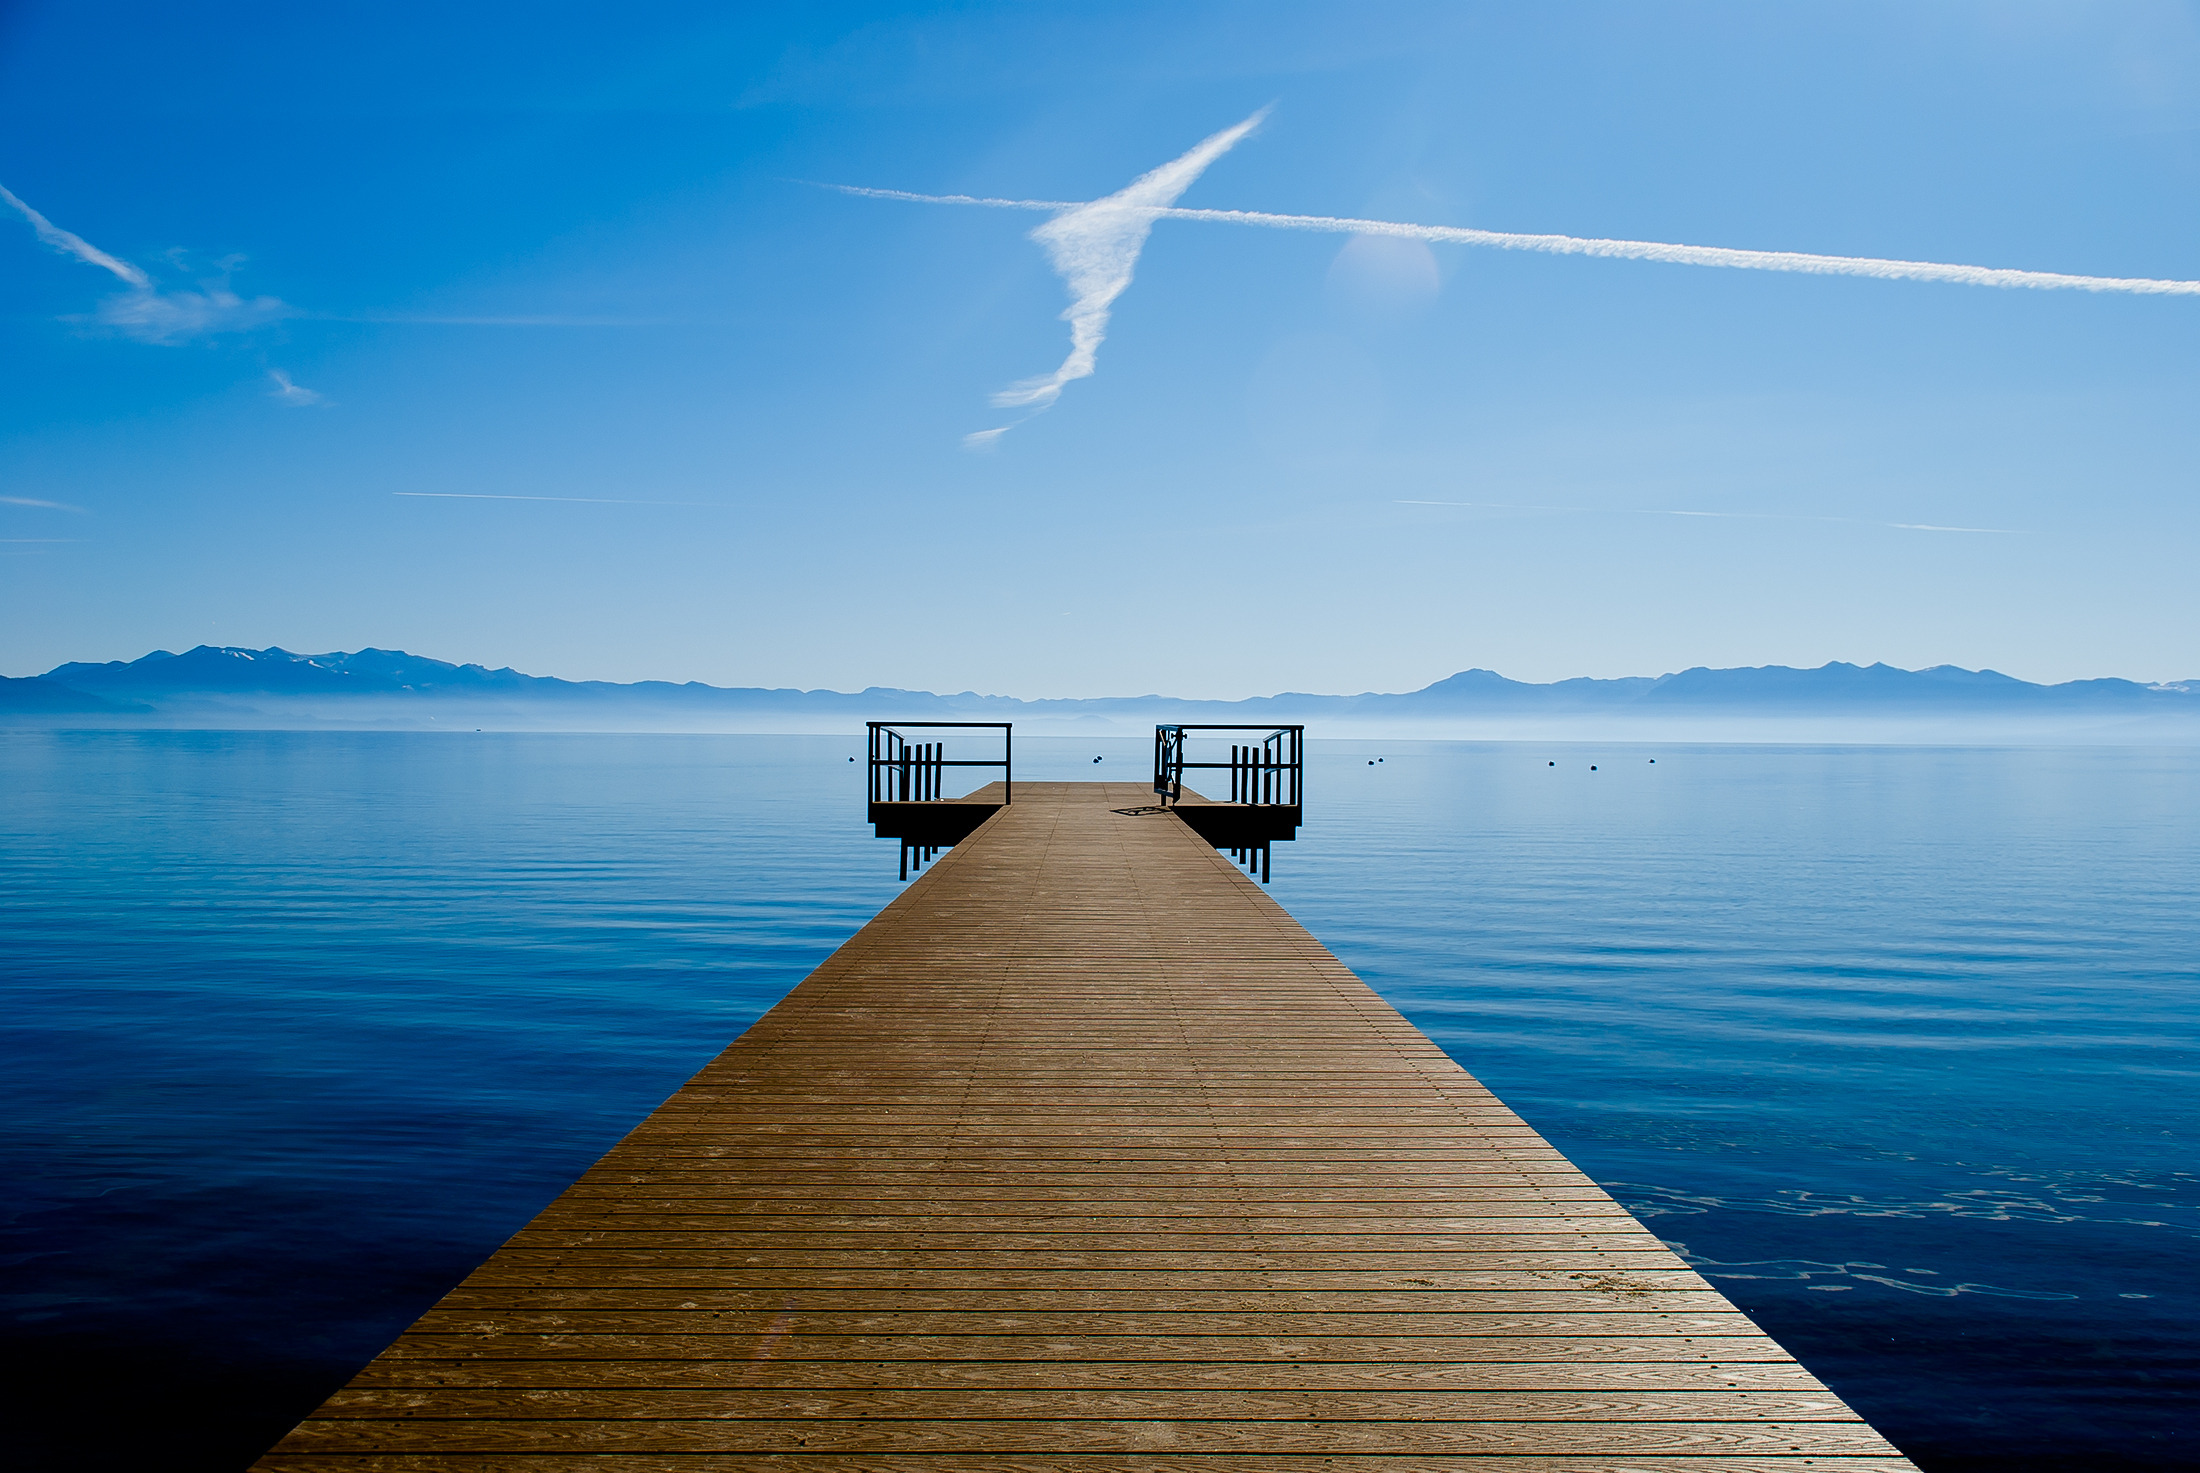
1266, 777
903, 771
1269, 771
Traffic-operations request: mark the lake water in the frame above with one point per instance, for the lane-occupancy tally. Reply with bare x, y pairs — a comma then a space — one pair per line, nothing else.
1898, 1046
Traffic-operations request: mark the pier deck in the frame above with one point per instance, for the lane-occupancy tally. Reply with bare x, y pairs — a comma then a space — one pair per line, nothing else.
1083, 1155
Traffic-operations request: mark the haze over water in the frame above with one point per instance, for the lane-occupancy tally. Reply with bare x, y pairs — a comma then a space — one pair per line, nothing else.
1897, 1044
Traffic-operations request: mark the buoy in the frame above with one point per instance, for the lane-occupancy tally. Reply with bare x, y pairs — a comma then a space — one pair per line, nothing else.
1592, 767
1552, 764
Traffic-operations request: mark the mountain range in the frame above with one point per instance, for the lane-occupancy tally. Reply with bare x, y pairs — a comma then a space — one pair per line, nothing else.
224, 686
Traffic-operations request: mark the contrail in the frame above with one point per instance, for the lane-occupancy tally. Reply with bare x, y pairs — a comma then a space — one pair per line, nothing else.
69, 243
1750, 516
1491, 505
417, 319
576, 500
1688, 255
987, 201
1094, 248
1095, 244
1573, 245
1781, 516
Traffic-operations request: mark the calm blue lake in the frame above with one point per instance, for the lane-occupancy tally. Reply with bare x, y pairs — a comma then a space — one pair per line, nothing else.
1898, 1046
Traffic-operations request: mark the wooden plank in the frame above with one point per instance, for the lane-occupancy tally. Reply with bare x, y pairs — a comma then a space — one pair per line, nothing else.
1037, 1361
1083, 1155
747, 1402
688, 1312
1582, 1291
1217, 1435
555, 1460
553, 1306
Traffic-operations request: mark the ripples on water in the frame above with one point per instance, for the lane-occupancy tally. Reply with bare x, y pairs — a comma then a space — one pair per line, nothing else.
1896, 1045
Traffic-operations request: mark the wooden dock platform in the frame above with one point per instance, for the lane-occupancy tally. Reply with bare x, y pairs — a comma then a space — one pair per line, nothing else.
1083, 1155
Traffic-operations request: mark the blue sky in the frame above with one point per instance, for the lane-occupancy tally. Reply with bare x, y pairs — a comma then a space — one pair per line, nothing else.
580, 253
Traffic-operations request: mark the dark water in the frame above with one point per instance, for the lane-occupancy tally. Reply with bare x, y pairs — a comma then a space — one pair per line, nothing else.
1899, 1045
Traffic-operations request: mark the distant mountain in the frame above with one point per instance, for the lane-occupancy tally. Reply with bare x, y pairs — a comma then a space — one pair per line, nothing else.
211, 669
227, 676
1833, 685
229, 686
38, 696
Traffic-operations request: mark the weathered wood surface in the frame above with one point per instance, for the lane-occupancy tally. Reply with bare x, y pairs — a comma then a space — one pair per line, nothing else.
1083, 1156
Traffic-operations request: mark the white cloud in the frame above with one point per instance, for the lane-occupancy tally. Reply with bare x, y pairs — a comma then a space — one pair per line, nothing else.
173, 317
144, 311
295, 395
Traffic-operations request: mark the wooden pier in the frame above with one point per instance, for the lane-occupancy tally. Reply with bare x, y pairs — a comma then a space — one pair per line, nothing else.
1083, 1155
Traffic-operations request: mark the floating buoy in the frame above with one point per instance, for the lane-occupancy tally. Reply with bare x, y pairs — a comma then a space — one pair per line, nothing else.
1592, 767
